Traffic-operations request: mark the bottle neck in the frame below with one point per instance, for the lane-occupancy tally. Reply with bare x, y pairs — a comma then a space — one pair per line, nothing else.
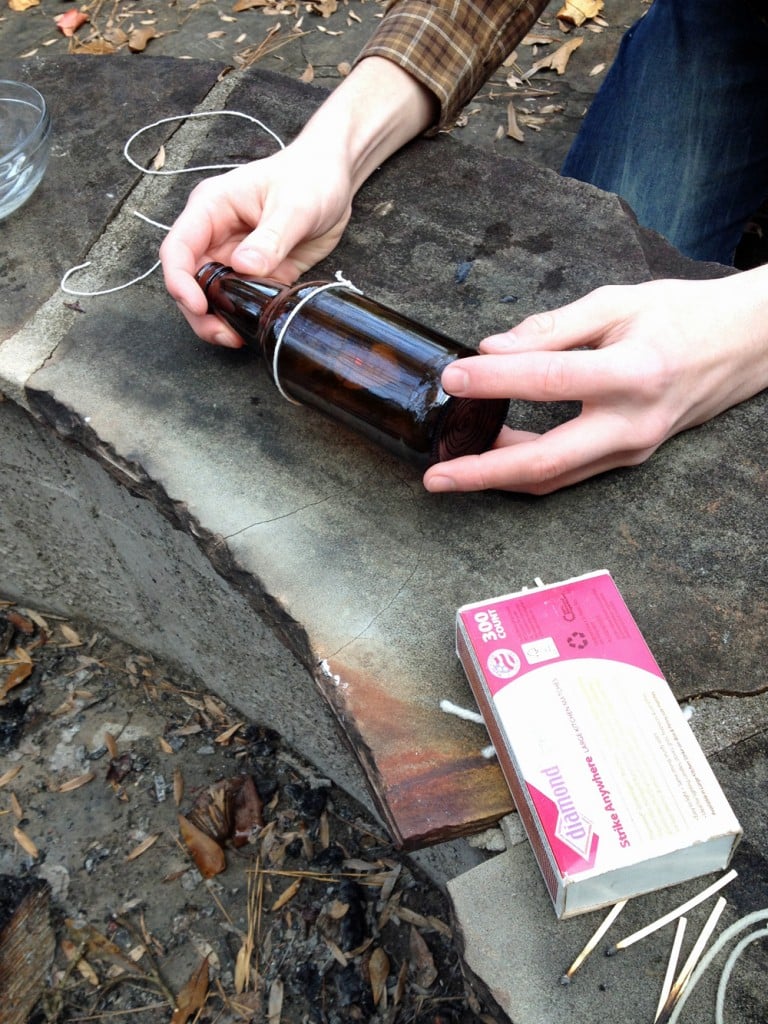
252, 306
244, 303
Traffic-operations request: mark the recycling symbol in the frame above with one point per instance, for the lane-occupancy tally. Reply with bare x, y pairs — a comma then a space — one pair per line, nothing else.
578, 641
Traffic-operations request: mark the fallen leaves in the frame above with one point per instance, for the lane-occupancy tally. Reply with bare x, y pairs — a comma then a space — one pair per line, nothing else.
192, 997
318, 887
27, 845
576, 12
70, 21
77, 783
209, 858
142, 847
557, 61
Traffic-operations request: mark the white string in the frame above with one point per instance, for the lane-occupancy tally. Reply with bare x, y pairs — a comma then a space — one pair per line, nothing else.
340, 282
185, 117
103, 291
735, 929
146, 170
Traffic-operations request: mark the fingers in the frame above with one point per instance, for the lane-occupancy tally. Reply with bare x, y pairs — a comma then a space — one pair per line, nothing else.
540, 376
537, 464
591, 320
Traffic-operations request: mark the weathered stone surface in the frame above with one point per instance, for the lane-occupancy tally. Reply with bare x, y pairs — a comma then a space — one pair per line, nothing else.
335, 545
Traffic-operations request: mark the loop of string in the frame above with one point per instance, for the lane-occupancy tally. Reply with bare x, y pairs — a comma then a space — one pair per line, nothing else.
161, 171
730, 933
340, 282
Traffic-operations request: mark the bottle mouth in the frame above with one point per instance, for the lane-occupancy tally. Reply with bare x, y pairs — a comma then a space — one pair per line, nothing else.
209, 273
469, 426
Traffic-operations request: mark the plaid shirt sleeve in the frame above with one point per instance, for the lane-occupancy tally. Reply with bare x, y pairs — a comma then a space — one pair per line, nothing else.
452, 46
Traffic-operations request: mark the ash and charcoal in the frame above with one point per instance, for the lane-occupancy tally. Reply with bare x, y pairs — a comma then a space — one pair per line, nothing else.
288, 903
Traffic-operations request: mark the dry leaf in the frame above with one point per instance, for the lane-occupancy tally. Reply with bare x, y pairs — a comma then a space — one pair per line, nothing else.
143, 846
378, 972
69, 634
536, 39
337, 910
576, 12
324, 7
25, 842
138, 39
422, 963
218, 34
248, 814
21, 622
344, 68
111, 744
337, 954
69, 949
22, 5
223, 738
597, 70
514, 131
275, 1005
81, 780
192, 997
242, 967
307, 74
205, 852
165, 746
16, 810
16, 677
70, 21
10, 775
287, 896
178, 786
159, 159
558, 60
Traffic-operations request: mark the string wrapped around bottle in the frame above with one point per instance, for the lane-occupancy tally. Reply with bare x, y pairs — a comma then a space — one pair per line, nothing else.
360, 362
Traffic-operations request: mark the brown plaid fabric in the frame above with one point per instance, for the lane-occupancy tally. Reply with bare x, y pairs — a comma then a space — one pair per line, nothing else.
452, 46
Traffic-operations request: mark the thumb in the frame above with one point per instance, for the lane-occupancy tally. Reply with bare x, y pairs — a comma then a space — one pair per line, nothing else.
262, 251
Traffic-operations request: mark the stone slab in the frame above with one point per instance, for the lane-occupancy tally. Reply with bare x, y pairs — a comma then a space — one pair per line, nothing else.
517, 949
336, 545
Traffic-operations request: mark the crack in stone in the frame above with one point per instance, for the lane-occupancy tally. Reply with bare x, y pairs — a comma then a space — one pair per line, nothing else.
275, 519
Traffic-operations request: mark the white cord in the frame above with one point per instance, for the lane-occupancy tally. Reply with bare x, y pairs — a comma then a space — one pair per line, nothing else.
735, 929
145, 170
340, 282
187, 117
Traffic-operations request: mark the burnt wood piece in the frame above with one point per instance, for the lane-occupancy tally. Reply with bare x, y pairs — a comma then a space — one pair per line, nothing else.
26, 945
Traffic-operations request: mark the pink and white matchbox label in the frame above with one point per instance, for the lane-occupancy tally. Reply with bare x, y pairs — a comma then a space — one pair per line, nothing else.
598, 742
583, 618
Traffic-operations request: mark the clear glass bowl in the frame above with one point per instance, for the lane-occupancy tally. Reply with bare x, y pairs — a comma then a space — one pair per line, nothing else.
25, 143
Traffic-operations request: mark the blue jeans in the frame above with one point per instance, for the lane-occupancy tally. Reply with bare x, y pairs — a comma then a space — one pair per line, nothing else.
679, 127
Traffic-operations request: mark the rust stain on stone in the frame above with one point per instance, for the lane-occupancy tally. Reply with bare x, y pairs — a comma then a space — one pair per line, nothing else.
425, 769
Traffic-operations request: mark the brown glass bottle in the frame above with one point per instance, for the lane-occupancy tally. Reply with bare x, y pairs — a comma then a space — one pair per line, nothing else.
359, 362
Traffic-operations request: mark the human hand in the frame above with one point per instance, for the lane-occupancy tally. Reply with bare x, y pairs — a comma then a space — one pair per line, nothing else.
279, 216
646, 362
268, 218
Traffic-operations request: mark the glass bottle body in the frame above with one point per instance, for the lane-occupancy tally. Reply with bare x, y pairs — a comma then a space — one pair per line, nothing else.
358, 361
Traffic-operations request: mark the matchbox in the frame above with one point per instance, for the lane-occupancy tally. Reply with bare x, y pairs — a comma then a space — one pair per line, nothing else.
614, 791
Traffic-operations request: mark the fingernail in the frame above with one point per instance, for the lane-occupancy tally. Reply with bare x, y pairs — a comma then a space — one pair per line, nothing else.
439, 484
225, 340
251, 261
497, 343
454, 379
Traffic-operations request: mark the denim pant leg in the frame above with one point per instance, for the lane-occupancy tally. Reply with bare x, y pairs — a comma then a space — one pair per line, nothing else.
679, 127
